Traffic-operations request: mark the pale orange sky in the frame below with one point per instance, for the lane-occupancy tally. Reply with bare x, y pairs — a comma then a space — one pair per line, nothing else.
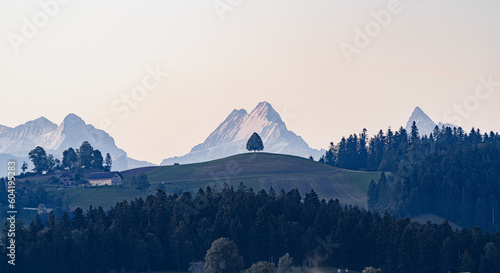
90, 54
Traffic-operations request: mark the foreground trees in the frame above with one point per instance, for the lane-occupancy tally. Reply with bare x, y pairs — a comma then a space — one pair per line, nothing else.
166, 232
86, 157
450, 173
261, 267
223, 257
285, 264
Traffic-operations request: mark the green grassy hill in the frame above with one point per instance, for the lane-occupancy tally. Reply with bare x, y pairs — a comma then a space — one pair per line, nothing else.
256, 170
263, 170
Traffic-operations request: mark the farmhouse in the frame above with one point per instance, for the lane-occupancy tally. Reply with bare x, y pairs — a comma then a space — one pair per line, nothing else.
105, 178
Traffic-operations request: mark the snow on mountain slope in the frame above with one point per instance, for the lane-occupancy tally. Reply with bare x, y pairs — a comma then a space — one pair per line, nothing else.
230, 137
226, 132
424, 123
19, 141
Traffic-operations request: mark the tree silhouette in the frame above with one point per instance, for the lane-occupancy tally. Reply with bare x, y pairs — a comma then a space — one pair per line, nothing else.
223, 257
255, 143
70, 159
39, 158
108, 163
85, 155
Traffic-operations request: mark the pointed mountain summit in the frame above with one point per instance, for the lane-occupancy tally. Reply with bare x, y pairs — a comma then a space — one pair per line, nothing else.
43, 123
19, 141
424, 123
230, 137
72, 120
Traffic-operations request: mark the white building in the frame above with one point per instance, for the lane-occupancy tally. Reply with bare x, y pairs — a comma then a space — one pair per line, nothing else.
105, 178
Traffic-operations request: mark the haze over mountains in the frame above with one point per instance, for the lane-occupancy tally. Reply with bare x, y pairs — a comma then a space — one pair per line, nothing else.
229, 138
232, 134
424, 123
16, 143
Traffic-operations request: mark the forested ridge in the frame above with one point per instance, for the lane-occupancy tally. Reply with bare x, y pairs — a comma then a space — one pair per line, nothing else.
170, 231
450, 173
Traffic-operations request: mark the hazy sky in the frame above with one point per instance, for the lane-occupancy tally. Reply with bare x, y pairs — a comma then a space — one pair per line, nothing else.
94, 59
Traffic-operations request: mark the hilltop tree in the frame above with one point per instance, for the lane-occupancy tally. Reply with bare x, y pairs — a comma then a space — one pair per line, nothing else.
255, 143
39, 158
85, 155
97, 160
223, 257
70, 159
52, 163
108, 163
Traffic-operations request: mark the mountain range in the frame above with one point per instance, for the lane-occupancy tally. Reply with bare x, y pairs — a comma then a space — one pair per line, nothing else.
424, 123
17, 142
230, 137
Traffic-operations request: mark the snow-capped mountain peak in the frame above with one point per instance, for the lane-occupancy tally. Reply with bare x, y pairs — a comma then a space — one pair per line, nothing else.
43, 123
265, 110
19, 141
230, 137
424, 123
72, 121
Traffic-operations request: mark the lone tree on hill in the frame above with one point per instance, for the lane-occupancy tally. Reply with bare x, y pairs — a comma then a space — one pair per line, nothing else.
255, 143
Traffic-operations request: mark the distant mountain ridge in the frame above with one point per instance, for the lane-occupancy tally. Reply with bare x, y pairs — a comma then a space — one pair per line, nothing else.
17, 142
424, 123
230, 137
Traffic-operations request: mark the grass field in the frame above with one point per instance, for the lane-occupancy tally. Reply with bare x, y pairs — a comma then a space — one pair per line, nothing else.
265, 170
256, 170
105, 196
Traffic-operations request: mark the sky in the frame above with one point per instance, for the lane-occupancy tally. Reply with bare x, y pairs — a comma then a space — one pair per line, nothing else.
160, 76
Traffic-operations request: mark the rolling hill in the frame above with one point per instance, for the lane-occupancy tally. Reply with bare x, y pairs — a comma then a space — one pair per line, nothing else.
256, 170
230, 137
263, 171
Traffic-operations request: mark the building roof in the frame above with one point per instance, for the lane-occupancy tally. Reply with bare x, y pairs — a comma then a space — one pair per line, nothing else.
66, 175
103, 175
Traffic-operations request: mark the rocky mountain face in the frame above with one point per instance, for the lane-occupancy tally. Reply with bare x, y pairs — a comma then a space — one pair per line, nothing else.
230, 137
424, 123
17, 142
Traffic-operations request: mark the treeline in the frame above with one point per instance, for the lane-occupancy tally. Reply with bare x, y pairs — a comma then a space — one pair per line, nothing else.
86, 158
453, 174
167, 232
